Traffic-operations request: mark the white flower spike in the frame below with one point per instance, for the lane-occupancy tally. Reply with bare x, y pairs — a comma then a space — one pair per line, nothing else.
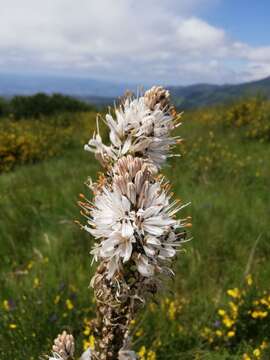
132, 217
141, 127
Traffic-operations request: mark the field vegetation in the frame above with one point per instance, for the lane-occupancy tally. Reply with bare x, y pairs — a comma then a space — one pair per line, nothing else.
218, 306
40, 105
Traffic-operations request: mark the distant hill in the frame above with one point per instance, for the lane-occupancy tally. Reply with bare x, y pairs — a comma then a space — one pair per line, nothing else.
200, 95
102, 93
18, 84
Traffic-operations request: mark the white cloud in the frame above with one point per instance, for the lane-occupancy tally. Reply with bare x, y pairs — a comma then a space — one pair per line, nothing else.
126, 40
196, 34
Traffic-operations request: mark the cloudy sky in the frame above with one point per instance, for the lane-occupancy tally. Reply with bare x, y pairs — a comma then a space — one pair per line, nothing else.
168, 41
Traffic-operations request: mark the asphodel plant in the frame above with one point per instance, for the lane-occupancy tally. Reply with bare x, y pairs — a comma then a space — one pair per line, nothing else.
132, 216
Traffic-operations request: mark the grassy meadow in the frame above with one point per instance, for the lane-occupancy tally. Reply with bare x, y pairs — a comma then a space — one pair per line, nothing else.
218, 306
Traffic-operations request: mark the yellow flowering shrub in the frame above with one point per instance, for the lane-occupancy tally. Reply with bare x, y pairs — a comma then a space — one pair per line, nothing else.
32, 140
251, 115
245, 318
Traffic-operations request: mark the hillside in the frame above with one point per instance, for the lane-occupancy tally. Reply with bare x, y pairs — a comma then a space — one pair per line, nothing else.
100, 92
201, 95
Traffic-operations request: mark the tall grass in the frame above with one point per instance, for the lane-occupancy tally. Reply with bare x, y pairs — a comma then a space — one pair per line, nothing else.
45, 262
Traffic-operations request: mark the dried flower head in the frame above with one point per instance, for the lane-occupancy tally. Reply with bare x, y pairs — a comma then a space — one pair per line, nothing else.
157, 96
137, 130
64, 346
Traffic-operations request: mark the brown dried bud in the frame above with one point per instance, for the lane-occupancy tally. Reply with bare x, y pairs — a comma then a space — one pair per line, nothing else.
157, 95
127, 95
64, 346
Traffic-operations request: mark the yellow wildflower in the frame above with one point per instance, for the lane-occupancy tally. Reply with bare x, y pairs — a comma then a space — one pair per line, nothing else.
234, 293
86, 331
172, 310
219, 333
151, 355
257, 353
231, 334
85, 344
36, 282
57, 299
263, 301
6, 305
91, 342
259, 314
228, 322
142, 352
30, 265
139, 333
69, 304
249, 280
246, 357
233, 306
264, 345
221, 312
12, 326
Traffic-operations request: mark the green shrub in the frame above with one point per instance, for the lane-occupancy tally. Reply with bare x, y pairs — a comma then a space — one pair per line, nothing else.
29, 141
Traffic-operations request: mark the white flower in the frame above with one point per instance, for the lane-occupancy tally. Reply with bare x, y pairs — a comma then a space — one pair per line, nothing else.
86, 355
55, 356
102, 152
127, 355
133, 219
139, 130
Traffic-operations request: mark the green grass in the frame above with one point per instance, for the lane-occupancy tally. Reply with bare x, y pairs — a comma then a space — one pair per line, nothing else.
44, 255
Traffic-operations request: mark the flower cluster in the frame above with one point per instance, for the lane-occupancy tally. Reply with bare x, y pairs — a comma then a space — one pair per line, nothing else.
134, 219
141, 127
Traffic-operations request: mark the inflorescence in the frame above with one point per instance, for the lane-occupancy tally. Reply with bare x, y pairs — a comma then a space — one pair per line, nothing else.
132, 216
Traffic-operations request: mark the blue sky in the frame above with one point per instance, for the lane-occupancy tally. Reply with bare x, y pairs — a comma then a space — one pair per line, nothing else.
140, 41
248, 21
